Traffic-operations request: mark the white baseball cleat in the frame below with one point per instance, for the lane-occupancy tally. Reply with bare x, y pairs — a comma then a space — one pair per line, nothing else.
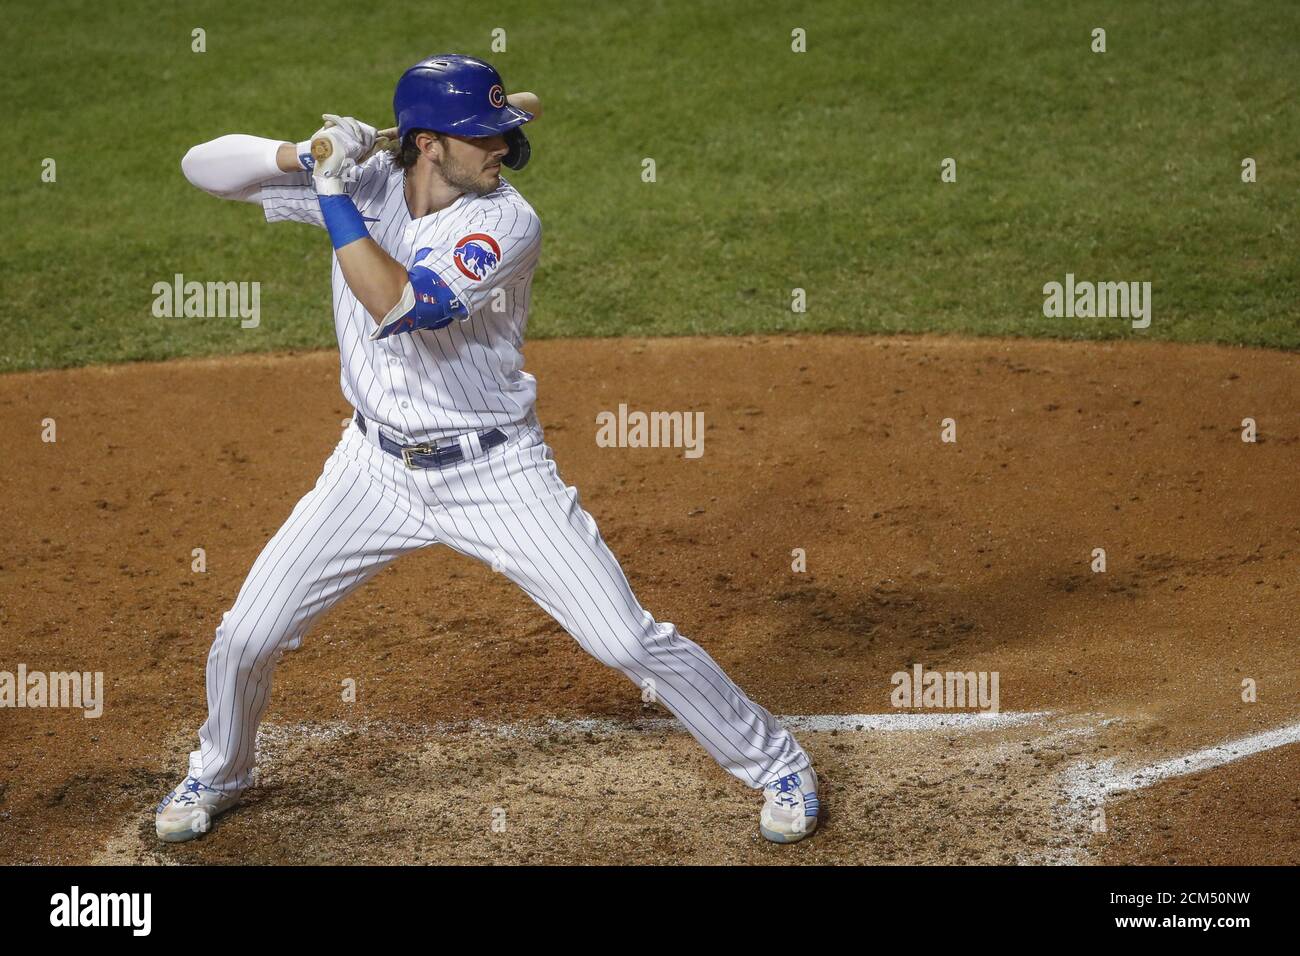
790, 807
188, 811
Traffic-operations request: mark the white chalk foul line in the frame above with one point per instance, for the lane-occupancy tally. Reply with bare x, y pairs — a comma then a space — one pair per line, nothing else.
978, 720
797, 722
1095, 783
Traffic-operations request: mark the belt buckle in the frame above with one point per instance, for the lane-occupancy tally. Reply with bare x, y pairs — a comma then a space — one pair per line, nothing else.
409, 450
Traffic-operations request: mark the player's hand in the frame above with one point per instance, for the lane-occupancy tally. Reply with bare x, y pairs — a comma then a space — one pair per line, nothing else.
359, 137
332, 166
384, 139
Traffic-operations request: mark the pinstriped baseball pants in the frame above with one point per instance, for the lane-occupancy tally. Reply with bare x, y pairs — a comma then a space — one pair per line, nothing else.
507, 507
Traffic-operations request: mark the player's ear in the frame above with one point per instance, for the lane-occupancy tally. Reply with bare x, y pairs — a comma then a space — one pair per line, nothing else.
429, 144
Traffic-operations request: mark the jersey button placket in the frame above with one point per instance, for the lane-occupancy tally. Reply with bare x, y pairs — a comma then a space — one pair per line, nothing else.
396, 374
397, 380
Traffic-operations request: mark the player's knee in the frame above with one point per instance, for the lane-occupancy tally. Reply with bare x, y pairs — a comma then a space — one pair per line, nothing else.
242, 643
633, 652
624, 657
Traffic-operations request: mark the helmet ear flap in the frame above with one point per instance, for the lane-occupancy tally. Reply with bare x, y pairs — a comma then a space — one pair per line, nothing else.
520, 150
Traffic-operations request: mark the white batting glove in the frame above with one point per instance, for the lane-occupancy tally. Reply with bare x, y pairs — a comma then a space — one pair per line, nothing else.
357, 139
331, 165
360, 136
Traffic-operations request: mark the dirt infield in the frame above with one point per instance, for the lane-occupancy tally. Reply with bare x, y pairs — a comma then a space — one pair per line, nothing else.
472, 707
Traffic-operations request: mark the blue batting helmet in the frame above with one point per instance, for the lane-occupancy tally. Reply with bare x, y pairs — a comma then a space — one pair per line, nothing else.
461, 95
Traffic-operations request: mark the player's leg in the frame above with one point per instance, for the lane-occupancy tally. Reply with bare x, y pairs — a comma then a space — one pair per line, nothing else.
510, 508
357, 519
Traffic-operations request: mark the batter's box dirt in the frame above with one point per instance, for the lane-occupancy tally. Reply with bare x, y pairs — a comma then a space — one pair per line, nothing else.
558, 793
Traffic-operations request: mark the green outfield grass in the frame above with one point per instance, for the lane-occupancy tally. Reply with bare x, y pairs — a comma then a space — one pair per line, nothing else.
776, 169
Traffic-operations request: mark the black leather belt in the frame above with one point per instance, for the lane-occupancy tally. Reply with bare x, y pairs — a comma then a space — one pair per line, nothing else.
433, 456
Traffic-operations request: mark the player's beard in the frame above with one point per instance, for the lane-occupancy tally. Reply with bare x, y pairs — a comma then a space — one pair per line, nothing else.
465, 179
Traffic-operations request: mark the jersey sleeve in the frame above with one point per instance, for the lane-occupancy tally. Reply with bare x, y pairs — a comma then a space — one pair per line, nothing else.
494, 251
292, 197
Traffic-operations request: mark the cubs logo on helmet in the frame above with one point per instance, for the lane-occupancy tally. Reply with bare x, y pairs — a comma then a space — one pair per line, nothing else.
497, 96
477, 256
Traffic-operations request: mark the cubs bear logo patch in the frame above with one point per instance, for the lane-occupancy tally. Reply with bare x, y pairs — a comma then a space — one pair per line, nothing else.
477, 256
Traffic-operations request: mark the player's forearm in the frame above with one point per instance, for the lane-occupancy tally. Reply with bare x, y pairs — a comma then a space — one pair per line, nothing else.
399, 300
375, 278
287, 158
235, 166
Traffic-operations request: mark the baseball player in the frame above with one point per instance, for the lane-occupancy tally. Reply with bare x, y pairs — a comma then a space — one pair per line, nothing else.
433, 262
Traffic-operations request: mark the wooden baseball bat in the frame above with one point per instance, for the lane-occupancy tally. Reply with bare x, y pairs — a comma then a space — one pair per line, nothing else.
526, 101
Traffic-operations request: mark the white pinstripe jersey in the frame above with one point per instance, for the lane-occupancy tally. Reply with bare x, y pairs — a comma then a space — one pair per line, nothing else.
467, 376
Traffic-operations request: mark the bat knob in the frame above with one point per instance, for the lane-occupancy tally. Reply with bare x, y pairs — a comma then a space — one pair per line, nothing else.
322, 148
